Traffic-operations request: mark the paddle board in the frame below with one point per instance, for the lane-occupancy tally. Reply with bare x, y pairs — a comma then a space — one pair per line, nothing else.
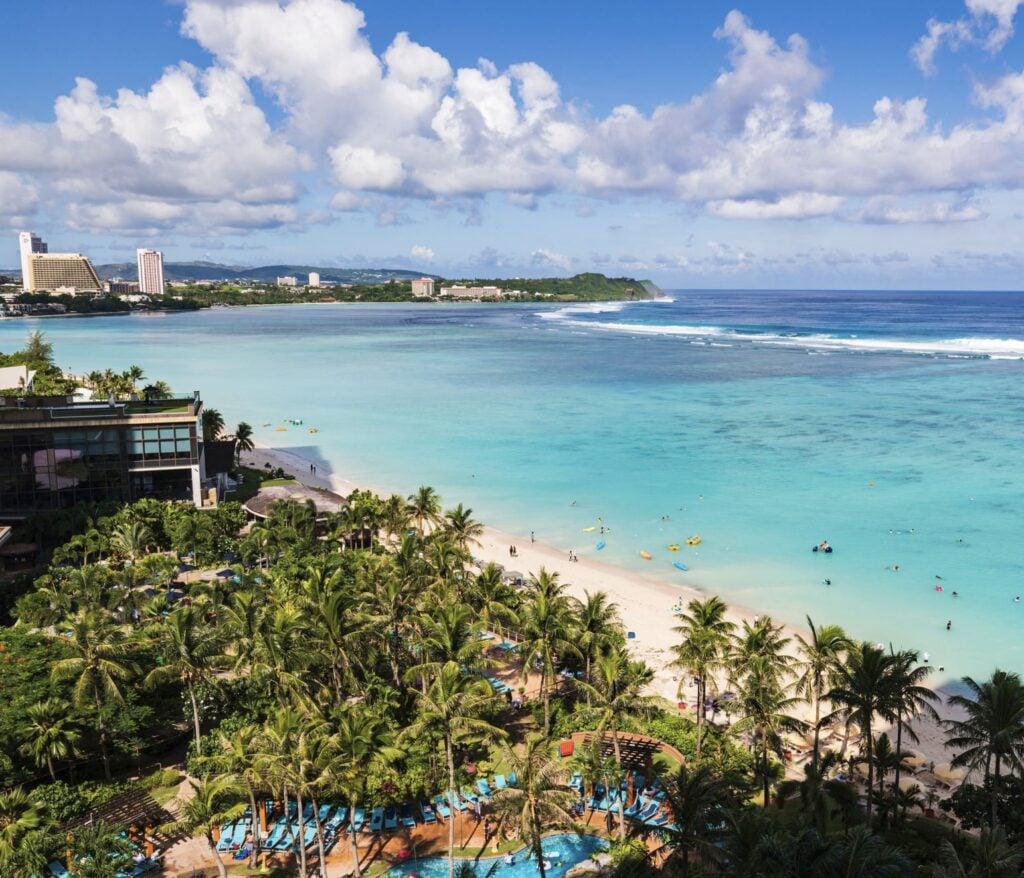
645, 555
679, 565
588, 530
600, 545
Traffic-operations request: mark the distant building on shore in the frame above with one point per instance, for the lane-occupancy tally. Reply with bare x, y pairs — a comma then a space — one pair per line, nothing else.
29, 243
151, 271
287, 281
56, 452
423, 287
460, 291
314, 279
116, 285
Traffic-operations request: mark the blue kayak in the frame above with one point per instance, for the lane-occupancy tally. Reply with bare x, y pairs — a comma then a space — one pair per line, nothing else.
679, 565
600, 545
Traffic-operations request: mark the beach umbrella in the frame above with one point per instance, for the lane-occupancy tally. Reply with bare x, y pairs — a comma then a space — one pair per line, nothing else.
186, 568
915, 759
226, 573
907, 782
949, 773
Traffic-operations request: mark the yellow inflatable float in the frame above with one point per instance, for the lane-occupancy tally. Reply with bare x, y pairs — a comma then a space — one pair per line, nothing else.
695, 540
673, 547
645, 555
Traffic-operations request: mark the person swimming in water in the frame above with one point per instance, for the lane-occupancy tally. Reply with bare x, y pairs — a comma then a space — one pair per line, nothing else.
828, 582
949, 624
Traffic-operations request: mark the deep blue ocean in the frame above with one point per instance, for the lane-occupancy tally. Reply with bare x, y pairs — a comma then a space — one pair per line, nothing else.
888, 423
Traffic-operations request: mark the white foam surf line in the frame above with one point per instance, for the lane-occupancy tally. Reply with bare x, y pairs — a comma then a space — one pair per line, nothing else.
598, 308
994, 348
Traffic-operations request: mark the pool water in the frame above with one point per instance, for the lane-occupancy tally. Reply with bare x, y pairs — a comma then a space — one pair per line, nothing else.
563, 851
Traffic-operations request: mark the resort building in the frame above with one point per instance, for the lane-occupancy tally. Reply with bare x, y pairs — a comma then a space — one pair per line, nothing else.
66, 272
460, 291
29, 243
17, 378
56, 452
287, 281
423, 287
314, 279
151, 271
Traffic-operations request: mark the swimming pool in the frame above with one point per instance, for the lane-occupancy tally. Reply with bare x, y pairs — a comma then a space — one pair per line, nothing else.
563, 851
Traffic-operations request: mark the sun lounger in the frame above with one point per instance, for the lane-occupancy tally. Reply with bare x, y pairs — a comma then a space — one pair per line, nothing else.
337, 820
634, 809
499, 782
308, 837
324, 813
57, 869
470, 796
227, 837
408, 820
390, 818
485, 788
614, 802
277, 838
576, 782
594, 801
377, 819
659, 820
511, 778
428, 812
441, 806
359, 818
648, 812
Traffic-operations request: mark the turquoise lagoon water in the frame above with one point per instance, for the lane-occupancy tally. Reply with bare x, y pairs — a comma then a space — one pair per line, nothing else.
889, 424
563, 851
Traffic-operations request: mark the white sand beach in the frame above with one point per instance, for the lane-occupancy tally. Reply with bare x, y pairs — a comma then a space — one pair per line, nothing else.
645, 602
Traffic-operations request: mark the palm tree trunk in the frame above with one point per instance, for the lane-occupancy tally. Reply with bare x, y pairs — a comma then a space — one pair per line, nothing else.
995, 791
700, 713
451, 799
871, 765
102, 726
817, 730
547, 704
538, 849
321, 850
223, 872
622, 805
302, 835
355, 840
255, 827
49, 766
899, 742
195, 716
764, 768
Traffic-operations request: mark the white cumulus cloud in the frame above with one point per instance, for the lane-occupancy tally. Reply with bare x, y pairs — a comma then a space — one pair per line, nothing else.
988, 23
418, 251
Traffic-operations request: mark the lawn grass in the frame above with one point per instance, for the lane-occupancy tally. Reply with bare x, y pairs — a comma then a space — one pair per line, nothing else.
250, 480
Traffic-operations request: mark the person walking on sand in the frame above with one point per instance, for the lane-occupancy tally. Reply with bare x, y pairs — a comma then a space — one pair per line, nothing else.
531, 536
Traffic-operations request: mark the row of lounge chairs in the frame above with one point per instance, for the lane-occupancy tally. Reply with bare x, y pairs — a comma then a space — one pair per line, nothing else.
645, 809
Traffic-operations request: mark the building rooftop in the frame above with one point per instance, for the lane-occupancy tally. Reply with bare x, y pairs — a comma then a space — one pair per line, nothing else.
66, 408
16, 377
326, 502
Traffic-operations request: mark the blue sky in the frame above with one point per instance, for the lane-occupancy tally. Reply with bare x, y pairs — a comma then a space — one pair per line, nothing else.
699, 144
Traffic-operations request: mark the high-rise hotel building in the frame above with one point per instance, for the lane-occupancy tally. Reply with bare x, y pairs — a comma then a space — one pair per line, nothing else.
151, 271
42, 270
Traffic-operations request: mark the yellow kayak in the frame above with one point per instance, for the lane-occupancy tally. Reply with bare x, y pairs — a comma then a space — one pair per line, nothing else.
282, 429
695, 540
673, 547
589, 530
645, 555
313, 430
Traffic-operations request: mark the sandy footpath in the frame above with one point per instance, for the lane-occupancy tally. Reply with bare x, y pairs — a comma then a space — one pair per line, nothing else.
645, 602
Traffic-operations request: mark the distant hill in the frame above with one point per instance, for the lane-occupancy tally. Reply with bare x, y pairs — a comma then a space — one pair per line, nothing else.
262, 273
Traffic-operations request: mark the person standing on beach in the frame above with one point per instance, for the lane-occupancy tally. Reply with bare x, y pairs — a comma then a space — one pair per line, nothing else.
531, 536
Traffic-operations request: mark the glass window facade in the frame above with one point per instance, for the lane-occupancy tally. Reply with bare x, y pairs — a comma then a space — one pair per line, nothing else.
65, 465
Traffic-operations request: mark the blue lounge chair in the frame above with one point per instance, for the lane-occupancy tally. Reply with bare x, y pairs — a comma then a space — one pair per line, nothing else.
576, 782
595, 800
377, 819
485, 788
458, 803
308, 838
441, 806
659, 820
614, 802
512, 778
390, 818
408, 820
500, 782
359, 818
324, 813
427, 811
57, 869
648, 812
470, 796
338, 820
634, 809
277, 836
227, 837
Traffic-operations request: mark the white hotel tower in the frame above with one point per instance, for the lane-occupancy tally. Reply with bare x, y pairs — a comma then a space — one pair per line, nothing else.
151, 271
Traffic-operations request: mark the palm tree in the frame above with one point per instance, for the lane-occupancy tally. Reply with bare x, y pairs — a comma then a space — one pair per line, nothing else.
453, 708
546, 620
238, 755
992, 734
615, 696
540, 800
20, 815
99, 665
50, 733
994, 857
100, 850
130, 540
705, 632
192, 655
817, 792
598, 628
463, 528
136, 375
493, 599
243, 440
425, 507
214, 802
212, 422
697, 800
864, 689
363, 744
819, 657
910, 700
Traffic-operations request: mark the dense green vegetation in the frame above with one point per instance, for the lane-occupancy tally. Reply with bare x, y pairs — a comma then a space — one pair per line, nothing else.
100, 304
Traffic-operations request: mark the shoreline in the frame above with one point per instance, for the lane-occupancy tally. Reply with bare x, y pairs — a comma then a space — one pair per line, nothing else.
645, 601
